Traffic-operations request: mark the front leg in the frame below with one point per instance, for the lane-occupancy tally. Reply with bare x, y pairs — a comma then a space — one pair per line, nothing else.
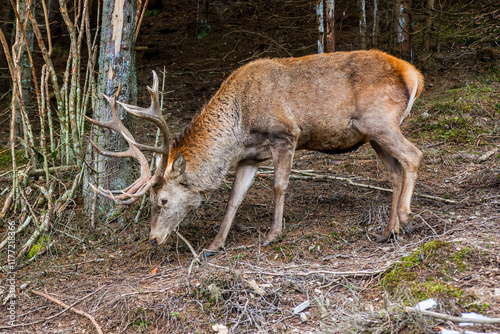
242, 181
282, 158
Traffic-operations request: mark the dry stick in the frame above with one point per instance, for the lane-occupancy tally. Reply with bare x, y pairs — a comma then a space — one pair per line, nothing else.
19, 230
47, 26
7, 52
335, 273
67, 307
196, 256
362, 185
55, 170
140, 19
484, 321
96, 325
6, 205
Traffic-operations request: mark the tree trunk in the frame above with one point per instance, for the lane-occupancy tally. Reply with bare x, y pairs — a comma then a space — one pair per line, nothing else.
116, 66
202, 25
428, 25
320, 14
329, 25
325, 11
376, 25
25, 67
403, 26
362, 24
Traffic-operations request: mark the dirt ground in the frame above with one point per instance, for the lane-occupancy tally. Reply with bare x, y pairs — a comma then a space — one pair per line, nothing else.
327, 255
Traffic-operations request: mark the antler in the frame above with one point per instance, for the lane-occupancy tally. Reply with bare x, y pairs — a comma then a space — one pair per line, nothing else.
153, 114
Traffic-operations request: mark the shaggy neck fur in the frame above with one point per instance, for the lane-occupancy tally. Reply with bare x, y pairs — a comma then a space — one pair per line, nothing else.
210, 143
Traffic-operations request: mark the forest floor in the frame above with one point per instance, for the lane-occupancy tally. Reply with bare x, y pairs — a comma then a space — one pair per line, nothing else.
327, 255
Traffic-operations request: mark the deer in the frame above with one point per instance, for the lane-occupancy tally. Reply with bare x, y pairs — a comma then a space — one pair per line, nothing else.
267, 110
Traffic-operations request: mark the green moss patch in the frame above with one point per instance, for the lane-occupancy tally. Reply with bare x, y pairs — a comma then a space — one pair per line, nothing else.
430, 272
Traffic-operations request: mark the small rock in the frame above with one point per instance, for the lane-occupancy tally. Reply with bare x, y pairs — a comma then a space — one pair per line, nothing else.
303, 317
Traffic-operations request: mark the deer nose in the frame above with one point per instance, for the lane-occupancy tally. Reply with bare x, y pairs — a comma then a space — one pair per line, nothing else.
153, 242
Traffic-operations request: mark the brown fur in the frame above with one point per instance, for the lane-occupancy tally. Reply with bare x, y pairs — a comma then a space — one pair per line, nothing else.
269, 108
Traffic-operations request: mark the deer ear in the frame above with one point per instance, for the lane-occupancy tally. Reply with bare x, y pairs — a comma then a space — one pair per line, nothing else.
178, 167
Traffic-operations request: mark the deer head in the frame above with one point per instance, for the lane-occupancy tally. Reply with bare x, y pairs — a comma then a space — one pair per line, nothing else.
171, 196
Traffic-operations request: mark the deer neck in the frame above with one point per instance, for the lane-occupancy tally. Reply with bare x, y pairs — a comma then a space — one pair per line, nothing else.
210, 144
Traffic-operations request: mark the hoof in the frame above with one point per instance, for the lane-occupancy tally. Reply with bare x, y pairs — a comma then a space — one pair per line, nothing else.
382, 239
272, 241
409, 229
387, 238
208, 253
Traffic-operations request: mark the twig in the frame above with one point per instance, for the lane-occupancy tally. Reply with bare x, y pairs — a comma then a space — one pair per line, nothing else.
315, 272
19, 230
7, 204
196, 256
58, 169
145, 292
91, 318
484, 321
488, 154
361, 185
66, 308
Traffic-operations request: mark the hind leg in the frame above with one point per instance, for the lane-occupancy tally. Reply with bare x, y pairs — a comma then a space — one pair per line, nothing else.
396, 176
401, 157
398, 151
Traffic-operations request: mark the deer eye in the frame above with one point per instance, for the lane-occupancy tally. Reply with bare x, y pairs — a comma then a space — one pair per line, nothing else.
164, 201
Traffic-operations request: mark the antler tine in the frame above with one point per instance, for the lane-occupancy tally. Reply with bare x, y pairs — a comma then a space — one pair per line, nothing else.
138, 188
153, 114
109, 194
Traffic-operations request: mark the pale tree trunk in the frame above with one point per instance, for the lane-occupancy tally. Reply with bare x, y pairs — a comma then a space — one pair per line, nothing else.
376, 26
22, 7
362, 24
330, 25
325, 11
320, 14
403, 26
116, 66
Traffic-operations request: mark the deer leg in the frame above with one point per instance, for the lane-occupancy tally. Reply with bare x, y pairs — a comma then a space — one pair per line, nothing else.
409, 157
242, 181
396, 176
282, 160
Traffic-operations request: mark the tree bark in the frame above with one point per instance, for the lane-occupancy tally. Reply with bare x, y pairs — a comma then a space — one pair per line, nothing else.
403, 27
376, 26
320, 14
116, 66
329, 25
362, 24
25, 67
428, 25
325, 11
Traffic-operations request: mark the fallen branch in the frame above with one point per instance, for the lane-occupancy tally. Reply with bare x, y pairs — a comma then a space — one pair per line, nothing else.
308, 273
67, 307
483, 321
91, 318
19, 230
54, 170
315, 176
6, 205
488, 154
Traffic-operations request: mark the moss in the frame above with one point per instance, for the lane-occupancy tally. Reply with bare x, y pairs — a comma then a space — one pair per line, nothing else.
42, 242
6, 159
426, 273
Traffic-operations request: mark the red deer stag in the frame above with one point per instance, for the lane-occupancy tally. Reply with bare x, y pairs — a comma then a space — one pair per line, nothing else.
268, 109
